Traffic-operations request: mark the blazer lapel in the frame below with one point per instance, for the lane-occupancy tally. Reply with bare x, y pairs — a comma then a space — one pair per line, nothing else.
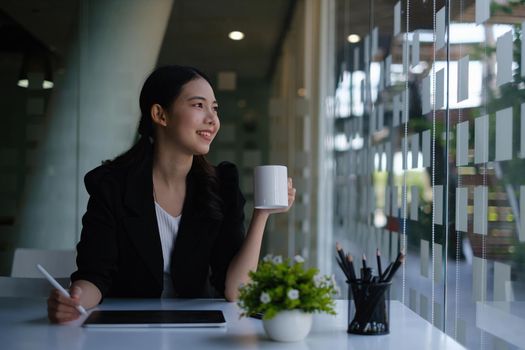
189, 264
141, 221
193, 222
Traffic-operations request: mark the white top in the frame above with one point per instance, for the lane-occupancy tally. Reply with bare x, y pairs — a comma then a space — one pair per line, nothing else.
168, 228
24, 325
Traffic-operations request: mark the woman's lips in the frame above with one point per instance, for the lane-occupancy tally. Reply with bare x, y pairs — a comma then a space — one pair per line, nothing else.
205, 134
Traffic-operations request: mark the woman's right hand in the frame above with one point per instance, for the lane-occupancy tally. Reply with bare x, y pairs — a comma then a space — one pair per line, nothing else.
61, 309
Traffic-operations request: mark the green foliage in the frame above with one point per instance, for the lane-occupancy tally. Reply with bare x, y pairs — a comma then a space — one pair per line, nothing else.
507, 7
279, 285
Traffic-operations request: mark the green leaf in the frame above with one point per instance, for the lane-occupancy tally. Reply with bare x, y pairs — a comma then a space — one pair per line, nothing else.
277, 280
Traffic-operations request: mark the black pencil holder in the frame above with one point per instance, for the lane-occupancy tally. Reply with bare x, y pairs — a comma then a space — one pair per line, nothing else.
368, 307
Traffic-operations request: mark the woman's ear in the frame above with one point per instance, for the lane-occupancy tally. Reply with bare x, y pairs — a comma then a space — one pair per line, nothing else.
158, 115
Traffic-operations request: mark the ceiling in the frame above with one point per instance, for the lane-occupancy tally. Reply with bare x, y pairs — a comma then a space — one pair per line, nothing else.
52, 23
197, 32
197, 35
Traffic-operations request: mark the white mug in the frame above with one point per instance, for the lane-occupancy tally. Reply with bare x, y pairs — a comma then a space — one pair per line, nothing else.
271, 187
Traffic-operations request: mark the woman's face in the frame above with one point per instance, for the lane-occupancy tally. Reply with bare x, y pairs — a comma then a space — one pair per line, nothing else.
193, 121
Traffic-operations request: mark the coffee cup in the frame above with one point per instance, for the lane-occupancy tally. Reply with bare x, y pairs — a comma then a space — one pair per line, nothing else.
271, 187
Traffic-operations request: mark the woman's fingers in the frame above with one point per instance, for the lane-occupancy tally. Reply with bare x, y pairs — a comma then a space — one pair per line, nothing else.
291, 192
291, 197
55, 306
75, 293
62, 309
70, 302
62, 317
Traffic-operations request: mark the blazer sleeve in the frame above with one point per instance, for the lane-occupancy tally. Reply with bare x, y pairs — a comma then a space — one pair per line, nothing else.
97, 251
232, 231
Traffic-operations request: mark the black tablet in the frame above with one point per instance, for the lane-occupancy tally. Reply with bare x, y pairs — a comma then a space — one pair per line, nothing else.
155, 318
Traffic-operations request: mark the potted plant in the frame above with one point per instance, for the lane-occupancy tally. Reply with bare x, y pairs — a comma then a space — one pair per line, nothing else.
287, 294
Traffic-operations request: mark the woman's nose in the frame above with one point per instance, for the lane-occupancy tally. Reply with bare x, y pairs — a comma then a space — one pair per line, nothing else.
212, 119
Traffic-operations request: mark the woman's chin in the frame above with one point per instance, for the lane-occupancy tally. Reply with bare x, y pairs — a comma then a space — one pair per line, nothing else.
202, 151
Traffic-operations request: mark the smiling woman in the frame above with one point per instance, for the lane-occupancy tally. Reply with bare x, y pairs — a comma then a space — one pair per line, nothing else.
161, 220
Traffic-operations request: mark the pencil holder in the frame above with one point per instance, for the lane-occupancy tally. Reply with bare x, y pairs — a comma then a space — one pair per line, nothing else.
368, 307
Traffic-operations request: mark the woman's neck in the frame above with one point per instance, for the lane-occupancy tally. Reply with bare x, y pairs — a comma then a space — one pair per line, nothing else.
171, 167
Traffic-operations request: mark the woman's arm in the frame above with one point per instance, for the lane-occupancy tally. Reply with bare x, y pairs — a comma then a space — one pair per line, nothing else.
96, 252
248, 256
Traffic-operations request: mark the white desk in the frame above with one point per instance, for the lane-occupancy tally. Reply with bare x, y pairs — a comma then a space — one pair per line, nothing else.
24, 325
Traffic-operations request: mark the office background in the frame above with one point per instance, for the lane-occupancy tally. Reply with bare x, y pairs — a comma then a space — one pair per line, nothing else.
402, 124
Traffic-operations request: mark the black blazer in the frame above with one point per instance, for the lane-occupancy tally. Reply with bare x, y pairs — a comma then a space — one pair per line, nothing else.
120, 250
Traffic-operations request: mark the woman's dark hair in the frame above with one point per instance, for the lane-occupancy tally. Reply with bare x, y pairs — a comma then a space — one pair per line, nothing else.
162, 87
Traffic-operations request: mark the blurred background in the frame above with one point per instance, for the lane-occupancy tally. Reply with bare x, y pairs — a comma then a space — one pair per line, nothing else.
401, 123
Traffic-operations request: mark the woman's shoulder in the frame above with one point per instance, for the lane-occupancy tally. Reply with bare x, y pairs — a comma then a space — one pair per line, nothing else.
228, 178
105, 175
227, 172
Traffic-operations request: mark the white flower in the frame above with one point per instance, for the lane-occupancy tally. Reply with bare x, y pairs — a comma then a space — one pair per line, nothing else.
318, 279
265, 298
298, 259
277, 259
332, 280
293, 294
337, 291
267, 258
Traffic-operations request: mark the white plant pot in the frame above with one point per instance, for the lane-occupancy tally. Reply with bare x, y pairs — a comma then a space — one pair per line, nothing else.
288, 325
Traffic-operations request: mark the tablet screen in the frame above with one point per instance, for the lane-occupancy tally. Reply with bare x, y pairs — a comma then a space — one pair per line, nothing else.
156, 318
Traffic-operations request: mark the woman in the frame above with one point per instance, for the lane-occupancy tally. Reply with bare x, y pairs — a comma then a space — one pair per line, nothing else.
159, 192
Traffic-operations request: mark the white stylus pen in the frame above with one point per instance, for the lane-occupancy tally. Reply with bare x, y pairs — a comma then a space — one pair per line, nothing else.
55, 284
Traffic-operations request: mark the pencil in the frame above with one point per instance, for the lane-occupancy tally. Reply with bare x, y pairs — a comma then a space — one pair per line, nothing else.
341, 254
379, 268
385, 273
350, 263
395, 266
366, 272
344, 269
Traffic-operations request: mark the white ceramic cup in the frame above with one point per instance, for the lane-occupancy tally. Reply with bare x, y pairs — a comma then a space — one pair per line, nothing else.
271, 187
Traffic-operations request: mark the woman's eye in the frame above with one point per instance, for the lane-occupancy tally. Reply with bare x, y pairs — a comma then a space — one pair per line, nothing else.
198, 105
216, 108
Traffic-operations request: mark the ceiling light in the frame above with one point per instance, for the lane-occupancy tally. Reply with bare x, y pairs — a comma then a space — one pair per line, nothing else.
36, 67
236, 35
301, 92
46, 84
353, 38
23, 83
341, 143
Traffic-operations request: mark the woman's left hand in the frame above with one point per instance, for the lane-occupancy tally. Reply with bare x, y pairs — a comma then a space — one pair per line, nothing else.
291, 198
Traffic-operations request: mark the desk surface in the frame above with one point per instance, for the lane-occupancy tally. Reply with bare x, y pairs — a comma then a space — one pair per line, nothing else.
24, 325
